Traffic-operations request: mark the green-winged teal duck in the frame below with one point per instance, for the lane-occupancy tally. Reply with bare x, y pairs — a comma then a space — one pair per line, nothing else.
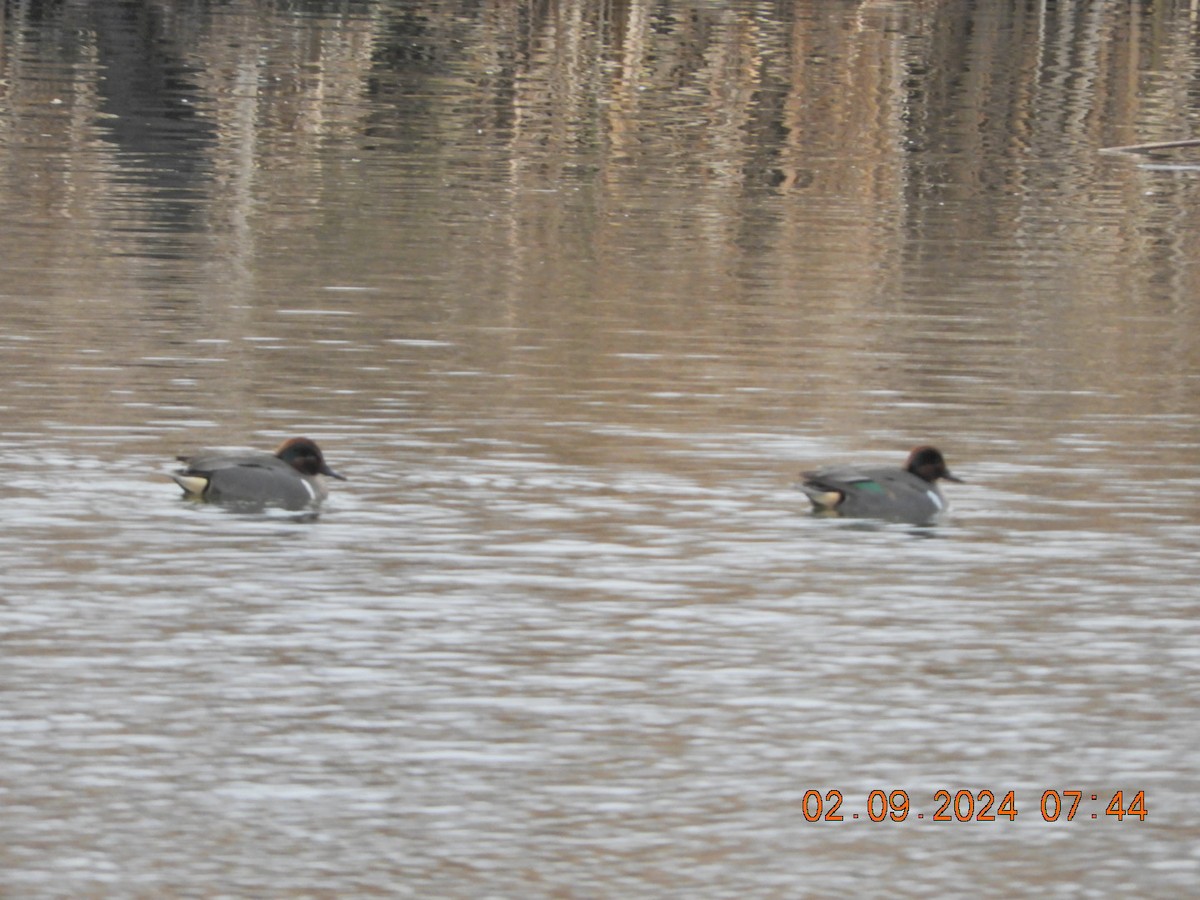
290, 478
907, 495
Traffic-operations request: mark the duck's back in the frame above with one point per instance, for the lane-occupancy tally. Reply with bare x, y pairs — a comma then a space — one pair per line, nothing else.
253, 479
874, 493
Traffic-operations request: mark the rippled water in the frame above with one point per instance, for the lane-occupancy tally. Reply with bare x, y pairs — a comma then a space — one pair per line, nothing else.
571, 293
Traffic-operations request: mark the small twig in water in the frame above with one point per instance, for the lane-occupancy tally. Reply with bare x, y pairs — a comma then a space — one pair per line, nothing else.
1150, 148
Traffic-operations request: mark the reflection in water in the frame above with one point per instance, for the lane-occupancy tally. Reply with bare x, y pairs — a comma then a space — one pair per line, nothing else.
572, 292
148, 99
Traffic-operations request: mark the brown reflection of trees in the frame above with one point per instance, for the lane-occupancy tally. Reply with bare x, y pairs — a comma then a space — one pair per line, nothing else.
884, 100
825, 140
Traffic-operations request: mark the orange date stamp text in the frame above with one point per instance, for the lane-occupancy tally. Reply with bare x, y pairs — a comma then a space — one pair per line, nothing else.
974, 806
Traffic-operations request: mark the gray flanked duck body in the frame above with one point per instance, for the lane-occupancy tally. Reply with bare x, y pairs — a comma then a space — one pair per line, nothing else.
909, 494
290, 478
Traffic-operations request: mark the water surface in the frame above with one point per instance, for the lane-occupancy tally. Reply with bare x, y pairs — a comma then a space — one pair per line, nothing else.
572, 292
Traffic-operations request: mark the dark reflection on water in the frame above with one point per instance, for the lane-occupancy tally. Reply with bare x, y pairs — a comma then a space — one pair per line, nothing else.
572, 292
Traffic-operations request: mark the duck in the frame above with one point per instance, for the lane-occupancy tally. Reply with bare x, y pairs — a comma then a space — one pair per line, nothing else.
909, 494
290, 477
